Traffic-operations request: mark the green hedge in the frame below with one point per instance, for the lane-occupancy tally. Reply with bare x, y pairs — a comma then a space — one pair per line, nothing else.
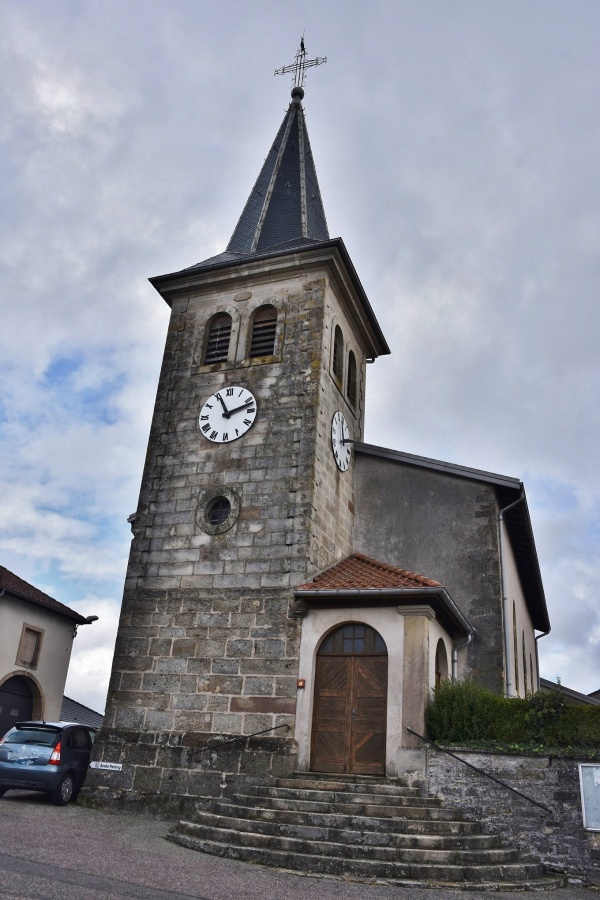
466, 713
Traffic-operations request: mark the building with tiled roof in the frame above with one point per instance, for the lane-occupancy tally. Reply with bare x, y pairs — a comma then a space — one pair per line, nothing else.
72, 711
37, 637
284, 573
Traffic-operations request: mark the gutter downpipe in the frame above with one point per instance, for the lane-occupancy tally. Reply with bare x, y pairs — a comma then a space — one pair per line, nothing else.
508, 653
537, 658
455, 649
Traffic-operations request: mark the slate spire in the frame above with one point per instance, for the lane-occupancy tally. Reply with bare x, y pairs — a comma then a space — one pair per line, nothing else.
284, 208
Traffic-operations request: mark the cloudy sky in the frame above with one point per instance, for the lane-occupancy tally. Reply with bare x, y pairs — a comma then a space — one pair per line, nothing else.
457, 145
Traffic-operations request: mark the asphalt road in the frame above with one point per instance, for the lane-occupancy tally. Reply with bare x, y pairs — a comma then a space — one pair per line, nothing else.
74, 853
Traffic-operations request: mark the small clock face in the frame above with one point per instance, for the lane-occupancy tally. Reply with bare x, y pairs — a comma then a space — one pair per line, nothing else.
340, 434
228, 414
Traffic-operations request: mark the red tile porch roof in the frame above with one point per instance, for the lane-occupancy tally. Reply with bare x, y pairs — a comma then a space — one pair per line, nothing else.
360, 572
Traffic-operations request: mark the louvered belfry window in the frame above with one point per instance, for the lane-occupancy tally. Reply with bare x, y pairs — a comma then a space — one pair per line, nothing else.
351, 382
217, 341
264, 326
338, 355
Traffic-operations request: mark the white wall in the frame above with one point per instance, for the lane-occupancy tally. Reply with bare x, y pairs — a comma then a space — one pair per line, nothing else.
514, 593
394, 625
55, 651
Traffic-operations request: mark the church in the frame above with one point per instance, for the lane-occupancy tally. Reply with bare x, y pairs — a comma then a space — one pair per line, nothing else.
287, 581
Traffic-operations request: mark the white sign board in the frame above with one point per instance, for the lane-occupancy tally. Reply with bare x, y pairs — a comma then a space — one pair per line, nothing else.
589, 780
109, 767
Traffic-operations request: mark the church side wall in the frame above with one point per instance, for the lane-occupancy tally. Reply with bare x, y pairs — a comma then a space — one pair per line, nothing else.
524, 672
445, 528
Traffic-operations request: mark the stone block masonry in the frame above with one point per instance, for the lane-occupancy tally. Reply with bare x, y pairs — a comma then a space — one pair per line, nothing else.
558, 840
189, 672
179, 671
208, 643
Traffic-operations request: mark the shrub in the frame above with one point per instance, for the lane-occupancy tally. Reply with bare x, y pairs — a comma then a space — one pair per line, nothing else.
466, 713
462, 711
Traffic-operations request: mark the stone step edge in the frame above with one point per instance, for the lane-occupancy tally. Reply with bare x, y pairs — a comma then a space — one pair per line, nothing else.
547, 883
354, 797
429, 813
353, 779
298, 845
314, 784
319, 864
267, 814
474, 841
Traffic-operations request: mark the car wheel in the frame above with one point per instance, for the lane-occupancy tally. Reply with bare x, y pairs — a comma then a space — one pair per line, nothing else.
64, 792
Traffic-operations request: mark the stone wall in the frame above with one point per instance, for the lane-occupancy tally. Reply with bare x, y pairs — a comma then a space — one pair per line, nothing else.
172, 775
559, 840
190, 671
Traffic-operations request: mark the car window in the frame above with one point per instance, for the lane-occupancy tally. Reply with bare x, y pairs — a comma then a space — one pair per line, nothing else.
79, 739
39, 736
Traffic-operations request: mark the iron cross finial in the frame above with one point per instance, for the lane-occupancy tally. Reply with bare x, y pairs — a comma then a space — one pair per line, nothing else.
299, 66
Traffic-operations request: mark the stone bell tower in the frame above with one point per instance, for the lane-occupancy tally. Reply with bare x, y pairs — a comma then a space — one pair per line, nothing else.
247, 490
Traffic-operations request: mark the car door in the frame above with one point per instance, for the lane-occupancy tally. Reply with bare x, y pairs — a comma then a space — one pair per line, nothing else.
79, 744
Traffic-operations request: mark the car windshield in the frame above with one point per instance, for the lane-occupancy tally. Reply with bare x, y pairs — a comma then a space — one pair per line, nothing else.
31, 736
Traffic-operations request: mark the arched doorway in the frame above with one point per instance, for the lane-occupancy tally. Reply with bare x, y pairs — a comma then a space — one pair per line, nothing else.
350, 702
16, 702
441, 663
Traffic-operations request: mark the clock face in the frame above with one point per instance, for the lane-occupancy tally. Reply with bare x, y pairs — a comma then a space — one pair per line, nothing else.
339, 434
228, 414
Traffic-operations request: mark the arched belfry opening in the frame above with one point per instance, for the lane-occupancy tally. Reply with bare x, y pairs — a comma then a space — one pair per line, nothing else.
350, 702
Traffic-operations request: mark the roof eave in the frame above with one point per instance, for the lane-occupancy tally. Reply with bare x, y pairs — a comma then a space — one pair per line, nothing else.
66, 613
439, 466
171, 285
451, 614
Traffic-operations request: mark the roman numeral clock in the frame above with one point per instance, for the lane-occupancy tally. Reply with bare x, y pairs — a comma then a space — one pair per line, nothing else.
228, 414
341, 443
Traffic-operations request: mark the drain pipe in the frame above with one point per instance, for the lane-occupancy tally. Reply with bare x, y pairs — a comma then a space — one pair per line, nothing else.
537, 658
455, 649
508, 651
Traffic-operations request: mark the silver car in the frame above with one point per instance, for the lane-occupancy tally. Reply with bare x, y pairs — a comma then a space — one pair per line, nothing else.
46, 756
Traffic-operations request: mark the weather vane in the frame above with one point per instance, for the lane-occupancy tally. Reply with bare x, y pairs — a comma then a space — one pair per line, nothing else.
300, 65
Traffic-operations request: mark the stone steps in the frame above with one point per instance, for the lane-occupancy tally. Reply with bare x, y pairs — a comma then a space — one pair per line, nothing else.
363, 838
331, 783
366, 828
227, 833
344, 797
357, 822
370, 869
362, 807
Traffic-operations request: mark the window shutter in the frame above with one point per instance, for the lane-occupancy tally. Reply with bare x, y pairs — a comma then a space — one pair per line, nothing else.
264, 326
217, 341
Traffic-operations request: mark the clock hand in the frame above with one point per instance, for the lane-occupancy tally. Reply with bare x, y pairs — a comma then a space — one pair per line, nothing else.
243, 406
226, 412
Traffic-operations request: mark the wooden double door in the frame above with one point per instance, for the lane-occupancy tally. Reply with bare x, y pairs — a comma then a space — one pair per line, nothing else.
350, 704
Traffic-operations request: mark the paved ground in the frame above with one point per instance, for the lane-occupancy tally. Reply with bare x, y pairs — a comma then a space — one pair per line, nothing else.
74, 853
